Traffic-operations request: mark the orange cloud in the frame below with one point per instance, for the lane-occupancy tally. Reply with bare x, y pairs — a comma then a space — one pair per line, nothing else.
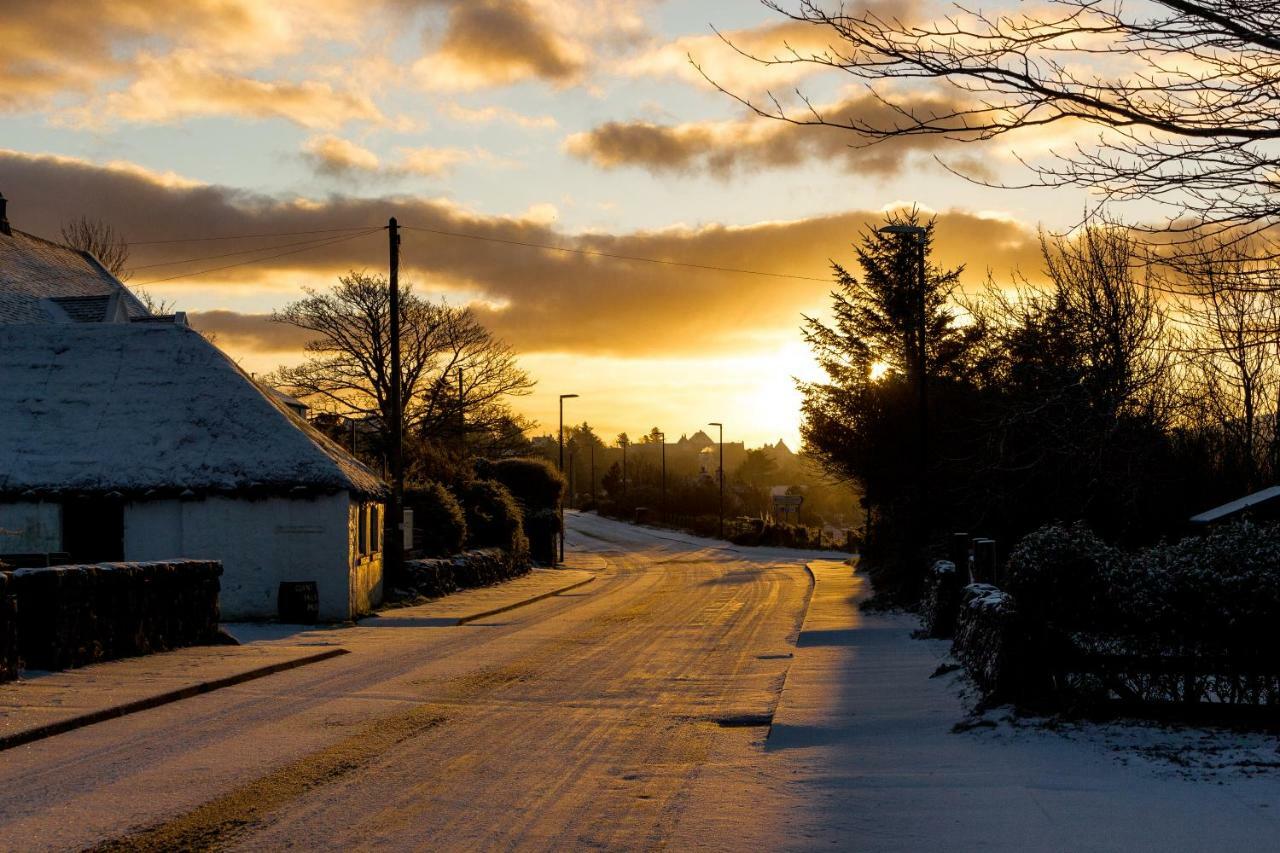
722, 148
539, 300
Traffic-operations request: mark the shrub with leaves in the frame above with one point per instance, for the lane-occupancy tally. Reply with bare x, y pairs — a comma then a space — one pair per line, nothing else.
534, 482
1061, 576
494, 518
438, 519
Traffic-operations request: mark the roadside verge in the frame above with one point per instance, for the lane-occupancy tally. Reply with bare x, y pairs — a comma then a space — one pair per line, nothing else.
58, 702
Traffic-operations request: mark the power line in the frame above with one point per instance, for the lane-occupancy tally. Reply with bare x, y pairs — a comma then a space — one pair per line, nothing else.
231, 254
611, 255
329, 242
252, 236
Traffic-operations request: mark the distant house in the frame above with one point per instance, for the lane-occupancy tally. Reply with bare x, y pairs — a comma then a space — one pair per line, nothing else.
128, 436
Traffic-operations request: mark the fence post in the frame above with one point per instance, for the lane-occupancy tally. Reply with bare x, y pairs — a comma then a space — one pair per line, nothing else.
984, 560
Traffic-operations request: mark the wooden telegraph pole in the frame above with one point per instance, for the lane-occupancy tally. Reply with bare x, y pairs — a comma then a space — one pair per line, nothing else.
394, 553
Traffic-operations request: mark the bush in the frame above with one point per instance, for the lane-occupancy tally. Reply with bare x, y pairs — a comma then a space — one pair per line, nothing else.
494, 519
990, 644
440, 526
542, 527
534, 482
1061, 576
941, 602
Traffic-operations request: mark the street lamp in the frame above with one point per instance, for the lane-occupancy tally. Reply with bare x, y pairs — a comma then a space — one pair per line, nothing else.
563, 397
721, 472
663, 436
623, 444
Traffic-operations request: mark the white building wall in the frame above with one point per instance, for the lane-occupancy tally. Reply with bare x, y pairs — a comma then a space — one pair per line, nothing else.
30, 527
261, 543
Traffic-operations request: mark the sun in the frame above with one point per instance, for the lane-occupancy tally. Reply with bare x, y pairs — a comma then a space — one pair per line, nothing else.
878, 370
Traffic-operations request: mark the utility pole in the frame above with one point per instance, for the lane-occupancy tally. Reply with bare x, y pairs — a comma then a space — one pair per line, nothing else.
593, 472
462, 416
394, 556
714, 424
624, 466
563, 397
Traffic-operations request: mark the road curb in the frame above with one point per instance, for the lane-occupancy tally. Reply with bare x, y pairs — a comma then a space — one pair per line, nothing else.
10, 741
474, 616
804, 615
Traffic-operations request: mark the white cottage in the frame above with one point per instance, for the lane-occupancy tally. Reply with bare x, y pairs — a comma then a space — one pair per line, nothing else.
143, 441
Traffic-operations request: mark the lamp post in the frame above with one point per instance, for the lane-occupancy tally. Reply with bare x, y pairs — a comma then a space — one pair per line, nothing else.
563, 397
721, 475
663, 436
592, 445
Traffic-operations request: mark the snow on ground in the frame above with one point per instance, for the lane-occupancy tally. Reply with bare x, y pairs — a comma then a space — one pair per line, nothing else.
864, 755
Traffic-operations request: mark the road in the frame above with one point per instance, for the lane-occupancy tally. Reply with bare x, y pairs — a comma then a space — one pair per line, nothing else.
582, 721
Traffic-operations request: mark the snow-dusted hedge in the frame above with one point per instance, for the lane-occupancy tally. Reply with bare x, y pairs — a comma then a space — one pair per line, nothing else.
434, 578
1218, 594
941, 602
989, 640
70, 616
1061, 576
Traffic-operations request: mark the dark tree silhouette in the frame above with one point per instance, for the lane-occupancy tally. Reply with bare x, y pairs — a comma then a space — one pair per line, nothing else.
349, 368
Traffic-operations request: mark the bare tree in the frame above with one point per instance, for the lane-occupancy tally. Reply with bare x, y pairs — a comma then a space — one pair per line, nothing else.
349, 368
100, 240
1184, 92
1231, 311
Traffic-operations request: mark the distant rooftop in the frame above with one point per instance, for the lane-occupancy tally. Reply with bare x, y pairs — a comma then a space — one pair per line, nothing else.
1237, 506
46, 282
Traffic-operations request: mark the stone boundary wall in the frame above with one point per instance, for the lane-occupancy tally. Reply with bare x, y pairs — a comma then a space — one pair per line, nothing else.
436, 577
68, 616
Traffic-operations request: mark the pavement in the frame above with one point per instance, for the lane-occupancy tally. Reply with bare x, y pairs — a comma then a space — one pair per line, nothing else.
45, 704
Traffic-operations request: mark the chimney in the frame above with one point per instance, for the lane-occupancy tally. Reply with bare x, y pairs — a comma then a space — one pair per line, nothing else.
4, 216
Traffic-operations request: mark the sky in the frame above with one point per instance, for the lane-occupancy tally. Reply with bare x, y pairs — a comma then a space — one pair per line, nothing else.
574, 123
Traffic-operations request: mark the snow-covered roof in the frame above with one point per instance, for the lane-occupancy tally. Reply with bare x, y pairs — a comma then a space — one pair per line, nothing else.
1236, 506
42, 282
139, 407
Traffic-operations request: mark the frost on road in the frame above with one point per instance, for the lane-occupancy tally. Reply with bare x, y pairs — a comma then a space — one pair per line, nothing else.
582, 720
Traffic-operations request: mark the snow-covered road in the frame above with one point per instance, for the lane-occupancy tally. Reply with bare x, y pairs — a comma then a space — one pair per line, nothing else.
579, 721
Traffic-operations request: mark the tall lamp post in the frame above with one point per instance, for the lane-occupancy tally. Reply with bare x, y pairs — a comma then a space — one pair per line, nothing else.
663, 437
563, 397
721, 473
623, 444
916, 235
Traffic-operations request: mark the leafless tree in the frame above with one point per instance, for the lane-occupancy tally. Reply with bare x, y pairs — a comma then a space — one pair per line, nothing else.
1231, 310
1183, 94
349, 368
100, 240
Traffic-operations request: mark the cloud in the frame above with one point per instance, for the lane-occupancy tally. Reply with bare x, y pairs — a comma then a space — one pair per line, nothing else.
336, 157
722, 148
541, 301
332, 155
485, 115
95, 62
252, 332
499, 42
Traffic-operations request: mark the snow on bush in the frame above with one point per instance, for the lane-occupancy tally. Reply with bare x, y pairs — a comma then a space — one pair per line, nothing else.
941, 599
1061, 576
988, 639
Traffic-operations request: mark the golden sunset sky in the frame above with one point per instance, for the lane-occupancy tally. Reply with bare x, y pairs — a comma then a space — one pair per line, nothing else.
576, 123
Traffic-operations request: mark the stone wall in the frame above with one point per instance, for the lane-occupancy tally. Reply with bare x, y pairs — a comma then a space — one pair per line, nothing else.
434, 578
69, 616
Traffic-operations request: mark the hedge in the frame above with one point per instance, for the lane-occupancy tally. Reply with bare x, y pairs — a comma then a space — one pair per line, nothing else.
494, 519
439, 523
69, 616
437, 577
941, 602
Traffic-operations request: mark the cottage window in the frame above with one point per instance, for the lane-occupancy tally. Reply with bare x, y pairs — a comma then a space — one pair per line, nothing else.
362, 529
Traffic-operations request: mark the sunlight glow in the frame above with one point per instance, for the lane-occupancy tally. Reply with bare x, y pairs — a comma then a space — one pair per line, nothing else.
878, 370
